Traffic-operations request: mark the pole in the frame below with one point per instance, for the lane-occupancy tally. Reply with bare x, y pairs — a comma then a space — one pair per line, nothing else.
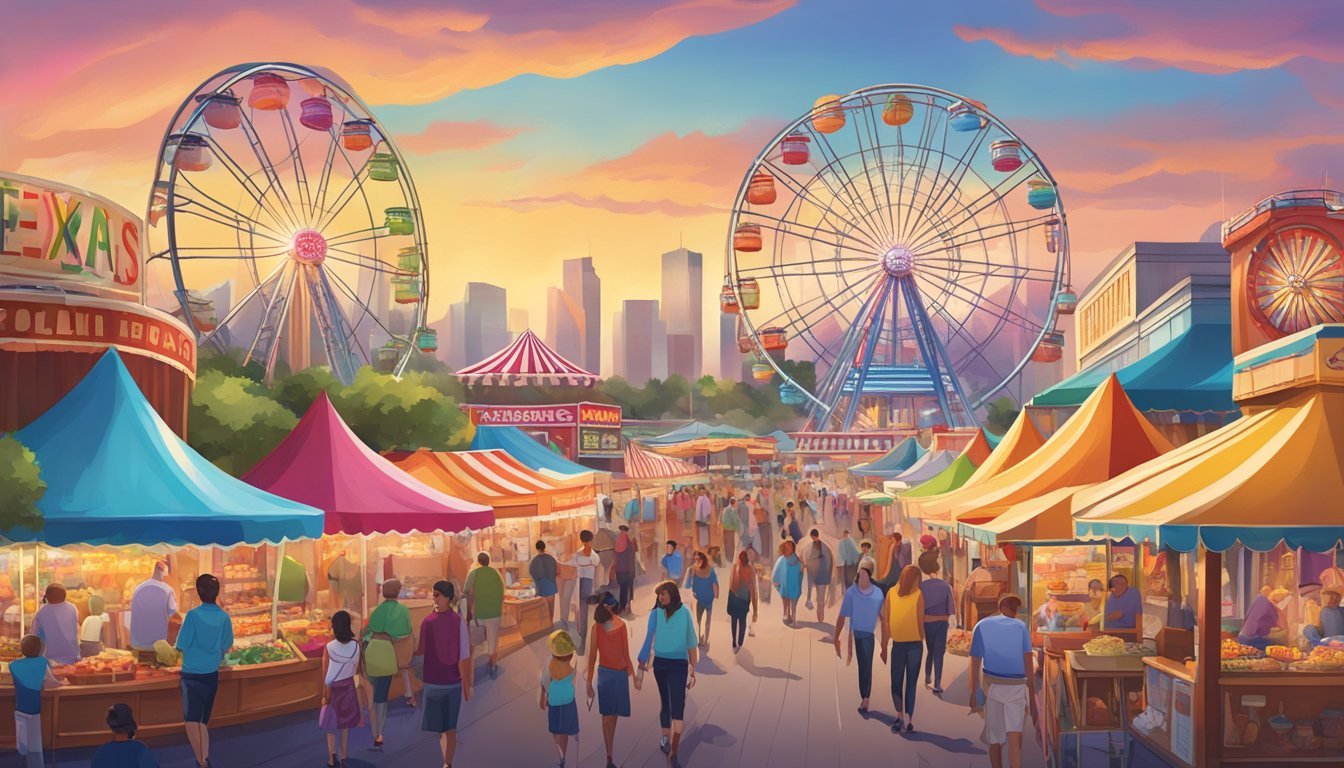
275, 590
23, 617
364, 576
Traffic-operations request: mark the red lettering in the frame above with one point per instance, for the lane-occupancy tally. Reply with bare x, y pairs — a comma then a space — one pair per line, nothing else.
128, 262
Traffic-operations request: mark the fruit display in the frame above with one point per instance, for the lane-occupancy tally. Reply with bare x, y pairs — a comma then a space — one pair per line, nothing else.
108, 666
308, 632
154, 672
1284, 653
1105, 645
258, 653
1322, 658
1231, 649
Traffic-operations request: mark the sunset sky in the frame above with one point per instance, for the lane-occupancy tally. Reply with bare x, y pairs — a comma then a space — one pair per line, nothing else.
539, 131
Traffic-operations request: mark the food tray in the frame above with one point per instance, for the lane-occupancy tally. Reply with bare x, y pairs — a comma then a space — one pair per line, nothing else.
1305, 666
99, 678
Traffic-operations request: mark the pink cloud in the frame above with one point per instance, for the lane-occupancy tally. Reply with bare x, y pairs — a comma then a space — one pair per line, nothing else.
1210, 37
664, 206
446, 135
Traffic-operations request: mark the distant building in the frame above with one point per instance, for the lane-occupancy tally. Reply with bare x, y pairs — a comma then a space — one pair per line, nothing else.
681, 356
682, 306
564, 325
574, 315
479, 324
730, 359
639, 342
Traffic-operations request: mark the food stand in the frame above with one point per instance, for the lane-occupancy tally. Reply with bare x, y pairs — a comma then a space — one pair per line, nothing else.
1210, 498
111, 503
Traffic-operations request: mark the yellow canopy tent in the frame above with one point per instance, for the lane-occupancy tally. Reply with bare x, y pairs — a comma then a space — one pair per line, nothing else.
756, 447
1277, 474
1021, 440
1104, 438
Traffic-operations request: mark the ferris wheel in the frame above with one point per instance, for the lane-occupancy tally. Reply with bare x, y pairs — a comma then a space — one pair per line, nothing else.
908, 243
276, 183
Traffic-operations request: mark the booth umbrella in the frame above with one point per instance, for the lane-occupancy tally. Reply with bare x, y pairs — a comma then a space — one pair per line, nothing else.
529, 452
117, 475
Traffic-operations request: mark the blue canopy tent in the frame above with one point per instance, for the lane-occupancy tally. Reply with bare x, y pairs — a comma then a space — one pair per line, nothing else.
696, 430
783, 443
117, 475
532, 454
1191, 373
928, 467
893, 462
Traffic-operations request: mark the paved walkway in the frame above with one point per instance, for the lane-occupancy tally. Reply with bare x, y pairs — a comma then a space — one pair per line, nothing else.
785, 700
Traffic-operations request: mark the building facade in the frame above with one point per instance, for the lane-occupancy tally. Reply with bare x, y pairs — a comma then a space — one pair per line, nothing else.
682, 308
478, 325
639, 342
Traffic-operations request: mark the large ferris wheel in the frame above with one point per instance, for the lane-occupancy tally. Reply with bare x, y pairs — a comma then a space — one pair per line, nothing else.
910, 244
277, 178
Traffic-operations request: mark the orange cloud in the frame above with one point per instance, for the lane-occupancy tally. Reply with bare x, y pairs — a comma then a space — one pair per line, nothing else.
1209, 37
446, 135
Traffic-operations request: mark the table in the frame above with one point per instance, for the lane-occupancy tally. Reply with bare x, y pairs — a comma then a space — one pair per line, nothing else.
1118, 680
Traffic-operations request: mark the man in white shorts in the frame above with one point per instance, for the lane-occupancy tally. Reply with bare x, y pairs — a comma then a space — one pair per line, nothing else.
1001, 650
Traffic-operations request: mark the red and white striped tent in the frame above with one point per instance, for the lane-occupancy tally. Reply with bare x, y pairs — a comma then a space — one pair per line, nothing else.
647, 465
525, 362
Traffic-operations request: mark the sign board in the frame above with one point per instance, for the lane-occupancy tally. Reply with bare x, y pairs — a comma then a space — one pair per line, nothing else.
599, 442
524, 415
51, 234
73, 322
600, 415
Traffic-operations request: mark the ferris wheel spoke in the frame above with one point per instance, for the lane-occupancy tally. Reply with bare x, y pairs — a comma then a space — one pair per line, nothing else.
865, 149
804, 193
317, 207
244, 180
362, 261
992, 196
874, 132
790, 228
938, 196
296, 160
223, 210
849, 185
346, 196
349, 238
222, 222
260, 289
973, 345
345, 288
933, 116
266, 340
267, 167
976, 298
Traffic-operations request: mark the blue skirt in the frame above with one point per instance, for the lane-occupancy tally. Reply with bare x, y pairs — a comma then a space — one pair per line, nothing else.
198, 696
613, 692
564, 719
545, 588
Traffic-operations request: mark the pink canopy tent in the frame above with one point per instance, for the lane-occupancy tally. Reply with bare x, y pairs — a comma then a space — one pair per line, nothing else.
527, 361
323, 464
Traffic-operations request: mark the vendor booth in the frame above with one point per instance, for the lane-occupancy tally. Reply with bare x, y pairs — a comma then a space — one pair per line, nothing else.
378, 519
893, 462
124, 493
532, 454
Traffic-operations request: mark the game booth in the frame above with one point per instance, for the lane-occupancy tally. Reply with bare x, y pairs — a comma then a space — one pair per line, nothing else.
124, 492
585, 433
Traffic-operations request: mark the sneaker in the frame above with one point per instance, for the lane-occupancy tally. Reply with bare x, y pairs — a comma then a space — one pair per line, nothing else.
665, 745
937, 690
896, 726
910, 724
610, 764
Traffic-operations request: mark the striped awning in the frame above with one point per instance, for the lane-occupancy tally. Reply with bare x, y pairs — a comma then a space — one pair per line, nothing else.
496, 478
646, 465
526, 362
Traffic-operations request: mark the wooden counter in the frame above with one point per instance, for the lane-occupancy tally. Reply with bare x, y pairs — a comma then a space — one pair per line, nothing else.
530, 617
75, 715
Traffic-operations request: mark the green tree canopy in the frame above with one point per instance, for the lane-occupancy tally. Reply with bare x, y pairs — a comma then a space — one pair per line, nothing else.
234, 421
21, 486
1000, 415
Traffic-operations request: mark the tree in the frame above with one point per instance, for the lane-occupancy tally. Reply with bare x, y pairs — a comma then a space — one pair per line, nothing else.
1000, 415
21, 486
406, 414
234, 422
803, 373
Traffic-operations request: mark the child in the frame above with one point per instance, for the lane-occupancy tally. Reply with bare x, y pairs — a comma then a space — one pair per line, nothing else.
672, 562
31, 674
557, 691
91, 631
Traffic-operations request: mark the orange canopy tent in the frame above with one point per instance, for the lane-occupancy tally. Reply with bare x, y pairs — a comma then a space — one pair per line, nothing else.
1021, 440
494, 477
1106, 437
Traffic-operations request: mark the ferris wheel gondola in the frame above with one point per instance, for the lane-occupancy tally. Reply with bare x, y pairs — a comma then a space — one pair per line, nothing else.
909, 243
277, 181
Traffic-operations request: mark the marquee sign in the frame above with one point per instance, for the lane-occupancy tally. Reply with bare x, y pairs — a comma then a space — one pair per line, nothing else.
51, 234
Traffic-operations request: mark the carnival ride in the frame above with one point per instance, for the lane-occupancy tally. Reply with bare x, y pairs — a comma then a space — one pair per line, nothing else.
907, 241
277, 179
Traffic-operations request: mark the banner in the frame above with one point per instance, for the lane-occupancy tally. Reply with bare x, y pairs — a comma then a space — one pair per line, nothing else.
523, 415
600, 442
51, 234
599, 415
65, 322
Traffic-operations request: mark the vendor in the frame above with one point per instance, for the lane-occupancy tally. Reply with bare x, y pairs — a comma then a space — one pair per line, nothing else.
1124, 607
1267, 620
1092, 609
344, 575
152, 603
1331, 621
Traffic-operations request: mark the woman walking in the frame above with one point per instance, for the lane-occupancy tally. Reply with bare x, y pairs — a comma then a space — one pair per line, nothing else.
741, 598
903, 626
672, 640
341, 709
788, 580
611, 658
861, 606
938, 613
557, 691
388, 641
704, 584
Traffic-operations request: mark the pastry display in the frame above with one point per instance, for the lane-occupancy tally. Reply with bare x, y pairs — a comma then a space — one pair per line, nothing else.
1231, 649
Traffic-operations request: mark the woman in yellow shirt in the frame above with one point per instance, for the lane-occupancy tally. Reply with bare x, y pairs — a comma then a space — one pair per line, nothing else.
902, 622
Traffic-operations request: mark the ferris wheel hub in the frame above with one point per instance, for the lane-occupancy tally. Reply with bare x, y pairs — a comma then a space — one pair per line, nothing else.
899, 261
308, 246
1296, 283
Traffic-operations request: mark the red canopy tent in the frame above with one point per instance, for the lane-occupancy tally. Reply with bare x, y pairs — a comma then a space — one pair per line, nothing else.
527, 361
323, 464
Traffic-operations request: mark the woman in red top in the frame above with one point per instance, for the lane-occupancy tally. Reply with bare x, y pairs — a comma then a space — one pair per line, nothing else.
611, 657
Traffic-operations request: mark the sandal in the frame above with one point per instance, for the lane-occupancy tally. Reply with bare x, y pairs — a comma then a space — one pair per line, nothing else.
410, 701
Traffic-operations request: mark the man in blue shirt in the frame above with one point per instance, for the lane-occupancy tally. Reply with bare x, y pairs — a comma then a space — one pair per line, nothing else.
206, 635
1124, 608
861, 605
672, 562
1001, 649
31, 674
1331, 621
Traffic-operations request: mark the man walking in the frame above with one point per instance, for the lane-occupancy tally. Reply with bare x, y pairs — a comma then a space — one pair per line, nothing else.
484, 591
704, 511
586, 562
206, 634
820, 564
1002, 661
731, 522
544, 571
849, 560
623, 569
761, 513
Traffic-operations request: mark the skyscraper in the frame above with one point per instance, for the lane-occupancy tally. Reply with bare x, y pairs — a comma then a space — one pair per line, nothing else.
639, 342
564, 325
479, 324
730, 359
683, 291
584, 289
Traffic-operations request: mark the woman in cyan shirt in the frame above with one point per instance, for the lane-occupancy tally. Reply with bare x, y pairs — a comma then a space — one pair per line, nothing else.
788, 580
902, 623
672, 639
704, 584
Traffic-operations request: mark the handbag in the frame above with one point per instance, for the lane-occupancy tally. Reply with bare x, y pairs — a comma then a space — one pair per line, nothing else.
737, 606
477, 632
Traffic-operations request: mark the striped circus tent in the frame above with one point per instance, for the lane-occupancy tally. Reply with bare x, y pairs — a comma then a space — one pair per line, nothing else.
647, 465
526, 362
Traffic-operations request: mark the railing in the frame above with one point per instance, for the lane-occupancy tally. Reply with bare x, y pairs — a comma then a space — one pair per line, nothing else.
1327, 198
